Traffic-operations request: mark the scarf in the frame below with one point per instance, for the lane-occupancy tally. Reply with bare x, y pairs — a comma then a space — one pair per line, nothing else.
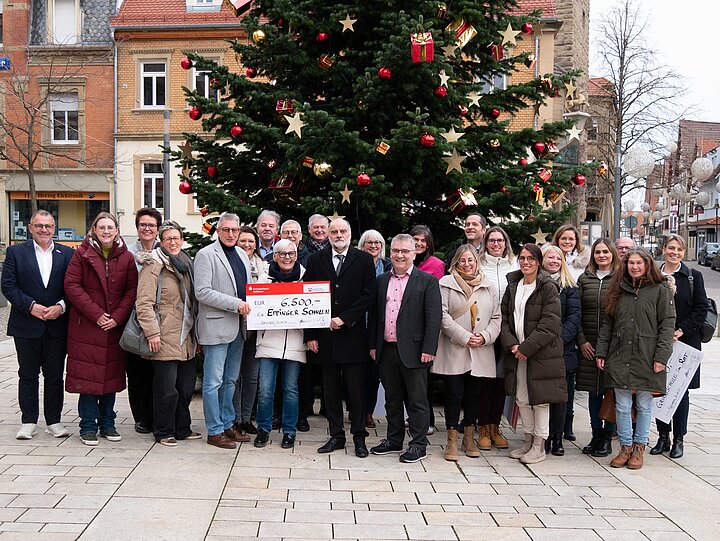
279, 276
317, 246
467, 283
181, 265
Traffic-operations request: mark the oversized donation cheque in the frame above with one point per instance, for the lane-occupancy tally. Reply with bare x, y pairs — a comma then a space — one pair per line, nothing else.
681, 367
288, 305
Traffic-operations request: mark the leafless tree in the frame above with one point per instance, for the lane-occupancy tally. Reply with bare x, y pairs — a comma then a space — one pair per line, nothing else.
648, 95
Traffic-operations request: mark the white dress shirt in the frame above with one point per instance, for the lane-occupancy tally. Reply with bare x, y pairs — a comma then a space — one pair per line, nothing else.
45, 261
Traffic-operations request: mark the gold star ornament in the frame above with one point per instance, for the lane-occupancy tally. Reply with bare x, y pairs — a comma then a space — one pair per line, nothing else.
348, 23
346, 194
186, 148
570, 88
454, 162
540, 237
573, 133
452, 136
335, 216
474, 98
443, 78
509, 35
295, 124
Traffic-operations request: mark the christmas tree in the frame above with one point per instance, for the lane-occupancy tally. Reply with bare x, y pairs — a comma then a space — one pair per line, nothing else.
382, 112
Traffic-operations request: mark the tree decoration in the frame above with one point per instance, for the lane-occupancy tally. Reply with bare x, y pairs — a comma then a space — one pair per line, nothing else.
258, 37
440, 91
382, 147
212, 171
462, 109
186, 149
345, 194
250, 73
363, 180
454, 161
494, 144
185, 187
474, 98
546, 83
239, 6
570, 89
522, 161
539, 149
530, 60
460, 199
573, 133
551, 149
322, 170
214, 83
284, 106
464, 32
422, 47
209, 228
205, 210
545, 174
195, 113
579, 179
449, 50
494, 113
295, 124
452, 136
384, 73
326, 61
236, 131
186, 63
444, 78
322, 37
441, 10
540, 237
527, 28
602, 169
497, 51
427, 140
509, 35
348, 23
272, 164
537, 192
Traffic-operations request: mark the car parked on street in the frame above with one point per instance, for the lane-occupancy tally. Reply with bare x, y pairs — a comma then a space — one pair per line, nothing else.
707, 252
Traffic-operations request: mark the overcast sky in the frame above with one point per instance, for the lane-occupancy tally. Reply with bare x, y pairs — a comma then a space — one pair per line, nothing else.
685, 34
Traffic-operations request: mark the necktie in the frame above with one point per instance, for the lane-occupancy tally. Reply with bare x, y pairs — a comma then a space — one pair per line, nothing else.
340, 259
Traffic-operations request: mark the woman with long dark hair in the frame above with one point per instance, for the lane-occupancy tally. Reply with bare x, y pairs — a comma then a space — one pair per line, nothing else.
425, 248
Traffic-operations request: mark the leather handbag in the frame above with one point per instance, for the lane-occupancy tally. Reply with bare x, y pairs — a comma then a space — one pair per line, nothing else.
133, 339
607, 408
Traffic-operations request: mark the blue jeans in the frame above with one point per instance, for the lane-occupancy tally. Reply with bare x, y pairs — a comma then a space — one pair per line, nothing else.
266, 393
220, 373
623, 413
594, 402
96, 411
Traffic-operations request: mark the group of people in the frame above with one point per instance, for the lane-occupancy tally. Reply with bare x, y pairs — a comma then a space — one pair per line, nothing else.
490, 324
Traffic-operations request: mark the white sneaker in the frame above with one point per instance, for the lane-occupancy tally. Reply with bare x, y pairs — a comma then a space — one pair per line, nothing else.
27, 431
57, 430
431, 430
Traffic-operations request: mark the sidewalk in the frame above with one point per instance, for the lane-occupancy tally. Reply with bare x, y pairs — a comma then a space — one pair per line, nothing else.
62, 490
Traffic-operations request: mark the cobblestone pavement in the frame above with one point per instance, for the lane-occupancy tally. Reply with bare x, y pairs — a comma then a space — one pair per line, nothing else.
135, 489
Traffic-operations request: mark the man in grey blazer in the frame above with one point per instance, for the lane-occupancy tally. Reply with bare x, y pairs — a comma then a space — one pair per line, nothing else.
221, 272
404, 332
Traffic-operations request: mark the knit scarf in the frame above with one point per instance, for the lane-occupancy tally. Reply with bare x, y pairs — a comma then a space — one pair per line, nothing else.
279, 276
467, 283
317, 246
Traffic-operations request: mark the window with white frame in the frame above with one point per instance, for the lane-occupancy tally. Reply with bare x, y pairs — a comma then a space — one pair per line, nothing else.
64, 21
496, 82
152, 185
201, 80
153, 77
64, 117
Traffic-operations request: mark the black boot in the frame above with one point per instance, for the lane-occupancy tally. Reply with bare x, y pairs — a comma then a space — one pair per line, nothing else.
604, 446
568, 430
557, 445
590, 447
677, 448
662, 445
547, 443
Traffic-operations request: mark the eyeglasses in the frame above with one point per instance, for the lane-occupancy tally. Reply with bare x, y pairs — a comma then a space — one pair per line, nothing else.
172, 239
43, 226
373, 243
147, 226
290, 232
496, 241
286, 254
528, 259
233, 230
397, 251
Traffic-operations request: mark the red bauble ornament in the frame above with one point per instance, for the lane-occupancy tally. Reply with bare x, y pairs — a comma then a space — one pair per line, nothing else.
250, 73
185, 187
538, 148
462, 110
522, 161
363, 179
212, 171
384, 73
195, 113
186, 63
236, 131
494, 114
322, 37
527, 28
440, 91
427, 140
214, 82
579, 179
504, 190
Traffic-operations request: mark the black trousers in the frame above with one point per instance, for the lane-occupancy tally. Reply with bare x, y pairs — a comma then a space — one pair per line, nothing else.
352, 375
173, 386
570, 380
557, 418
680, 418
140, 388
461, 391
372, 384
403, 383
310, 376
491, 401
35, 354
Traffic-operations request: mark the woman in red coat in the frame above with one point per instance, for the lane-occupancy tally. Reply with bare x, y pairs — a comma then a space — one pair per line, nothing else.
101, 283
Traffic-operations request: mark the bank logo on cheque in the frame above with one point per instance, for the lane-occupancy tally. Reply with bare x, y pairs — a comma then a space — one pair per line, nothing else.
316, 288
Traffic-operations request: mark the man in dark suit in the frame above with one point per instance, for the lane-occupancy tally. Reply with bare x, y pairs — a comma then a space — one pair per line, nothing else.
32, 280
341, 349
404, 331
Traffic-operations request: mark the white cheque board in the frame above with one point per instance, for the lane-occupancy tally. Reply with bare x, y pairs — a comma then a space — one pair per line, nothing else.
292, 305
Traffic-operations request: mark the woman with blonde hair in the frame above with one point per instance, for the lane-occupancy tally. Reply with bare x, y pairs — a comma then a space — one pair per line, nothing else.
577, 255
554, 264
470, 325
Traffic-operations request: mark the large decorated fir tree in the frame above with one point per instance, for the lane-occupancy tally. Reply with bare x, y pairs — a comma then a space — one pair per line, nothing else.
382, 112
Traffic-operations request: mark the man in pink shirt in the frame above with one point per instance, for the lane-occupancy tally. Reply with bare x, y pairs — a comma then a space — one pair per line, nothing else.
404, 331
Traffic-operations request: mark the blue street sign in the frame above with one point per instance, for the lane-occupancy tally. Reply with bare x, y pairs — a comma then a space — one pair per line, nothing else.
4, 63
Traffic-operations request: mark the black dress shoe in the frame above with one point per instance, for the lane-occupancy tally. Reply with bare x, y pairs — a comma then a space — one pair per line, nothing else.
361, 450
261, 440
333, 444
677, 448
142, 428
662, 445
303, 425
288, 441
557, 445
386, 447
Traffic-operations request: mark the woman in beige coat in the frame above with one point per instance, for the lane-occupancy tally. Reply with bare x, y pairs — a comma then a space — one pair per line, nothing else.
470, 324
170, 329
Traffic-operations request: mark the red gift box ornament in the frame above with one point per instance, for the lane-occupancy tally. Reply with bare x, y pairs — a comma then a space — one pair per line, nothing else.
441, 10
326, 61
460, 199
537, 189
422, 47
281, 183
284, 107
239, 6
545, 175
497, 51
463, 31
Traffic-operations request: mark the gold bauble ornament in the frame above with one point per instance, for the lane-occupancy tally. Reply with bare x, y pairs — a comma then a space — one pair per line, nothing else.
322, 170
258, 37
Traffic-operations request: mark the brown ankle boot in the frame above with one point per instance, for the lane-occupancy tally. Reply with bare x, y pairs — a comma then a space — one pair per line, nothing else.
636, 459
622, 457
468, 442
497, 438
451, 450
484, 442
